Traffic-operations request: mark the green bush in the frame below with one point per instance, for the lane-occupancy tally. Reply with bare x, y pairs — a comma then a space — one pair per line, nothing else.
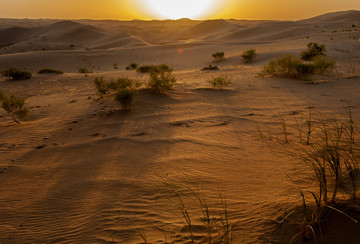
126, 98
249, 55
218, 56
153, 68
132, 66
16, 74
84, 70
161, 81
50, 71
14, 106
220, 81
313, 50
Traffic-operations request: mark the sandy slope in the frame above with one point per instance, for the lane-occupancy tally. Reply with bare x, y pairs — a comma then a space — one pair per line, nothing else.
82, 171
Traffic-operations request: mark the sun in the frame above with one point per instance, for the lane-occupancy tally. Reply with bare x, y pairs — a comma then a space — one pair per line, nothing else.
176, 9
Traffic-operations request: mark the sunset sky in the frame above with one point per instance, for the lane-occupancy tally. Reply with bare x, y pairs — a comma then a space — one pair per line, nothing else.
162, 9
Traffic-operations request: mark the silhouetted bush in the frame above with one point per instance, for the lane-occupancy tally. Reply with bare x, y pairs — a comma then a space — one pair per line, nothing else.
16, 74
50, 71
153, 68
101, 86
84, 70
313, 50
14, 106
218, 56
220, 81
249, 55
132, 66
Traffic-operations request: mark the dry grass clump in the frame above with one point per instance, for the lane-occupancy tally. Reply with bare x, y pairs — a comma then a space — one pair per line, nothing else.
14, 106
16, 74
220, 81
330, 150
249, 55
50, 71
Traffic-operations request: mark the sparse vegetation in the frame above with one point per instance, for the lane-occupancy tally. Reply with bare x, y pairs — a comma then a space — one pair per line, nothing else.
126, 98
293, 67
125, 90
313, 50
153, 68
220, 81
14, 106
50, 71
16, 74
84, 70
218, 56
161, 81
249, 55
132, 66
115, 67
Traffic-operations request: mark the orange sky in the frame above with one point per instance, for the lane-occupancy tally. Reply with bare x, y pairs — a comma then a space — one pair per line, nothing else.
137, 9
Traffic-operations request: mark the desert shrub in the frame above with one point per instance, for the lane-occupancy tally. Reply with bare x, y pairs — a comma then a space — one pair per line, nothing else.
16, 74
84, 70
105, 87
50, 71
132, 66
14, 106
322, 65
101, 85
289, 66
249, 55
161, 81
126, 98
313, 50
218, 55
220, 81
153, 68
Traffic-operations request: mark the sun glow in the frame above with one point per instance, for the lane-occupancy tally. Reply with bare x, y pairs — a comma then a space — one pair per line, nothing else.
176, 9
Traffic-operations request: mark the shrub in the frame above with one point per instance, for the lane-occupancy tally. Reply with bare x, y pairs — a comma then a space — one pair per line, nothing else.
220, 82
104, 87
126, 98
153, 68
50, 71
322, 65
101, 86
218, 56
289, 66
16, 74
161, 81
313, 50
132, 66
14, 106
249, 55
84, 70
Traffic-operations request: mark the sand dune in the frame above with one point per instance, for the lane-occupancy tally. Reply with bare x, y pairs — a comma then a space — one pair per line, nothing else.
80, 170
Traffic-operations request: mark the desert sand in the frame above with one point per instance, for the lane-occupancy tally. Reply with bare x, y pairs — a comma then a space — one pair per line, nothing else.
80, 170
